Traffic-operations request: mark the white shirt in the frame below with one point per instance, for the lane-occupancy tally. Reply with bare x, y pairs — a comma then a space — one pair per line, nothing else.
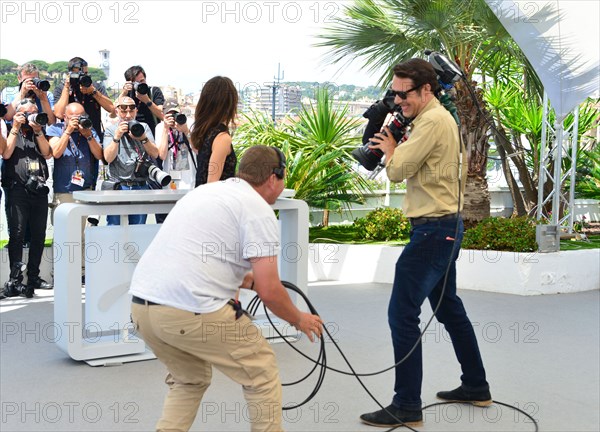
200, 255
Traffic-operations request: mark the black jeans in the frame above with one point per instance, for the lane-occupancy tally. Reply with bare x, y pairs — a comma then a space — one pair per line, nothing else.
420, 275
25, 209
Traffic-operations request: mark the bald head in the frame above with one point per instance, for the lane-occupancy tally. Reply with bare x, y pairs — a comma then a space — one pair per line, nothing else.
74, 109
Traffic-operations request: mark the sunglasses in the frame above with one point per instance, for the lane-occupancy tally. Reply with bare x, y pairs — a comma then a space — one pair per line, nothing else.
402, 94
127, 107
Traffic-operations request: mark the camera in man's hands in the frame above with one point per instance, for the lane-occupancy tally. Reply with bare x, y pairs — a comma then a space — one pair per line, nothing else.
141, 88
3, 110
38, 118
36, 185
77, 79
370, 158
43, 85
136, 128
85, 121
145, 168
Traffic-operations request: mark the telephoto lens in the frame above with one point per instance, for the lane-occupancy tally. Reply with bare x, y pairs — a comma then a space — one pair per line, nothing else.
136, 128
180, 118
39, 118
85, 81
84, 121
141, 88
43, 85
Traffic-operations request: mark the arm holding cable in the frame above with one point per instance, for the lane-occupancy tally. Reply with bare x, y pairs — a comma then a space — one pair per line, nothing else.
272, 293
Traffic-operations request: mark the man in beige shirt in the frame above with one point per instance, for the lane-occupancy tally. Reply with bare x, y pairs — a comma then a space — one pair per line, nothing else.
429, 160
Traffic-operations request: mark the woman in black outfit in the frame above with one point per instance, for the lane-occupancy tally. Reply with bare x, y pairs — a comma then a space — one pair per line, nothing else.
216, 109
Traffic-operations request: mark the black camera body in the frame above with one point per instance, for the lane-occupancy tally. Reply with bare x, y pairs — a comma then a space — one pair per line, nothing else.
370, 158
36, 185
145, 168
85, 121
43, 85
136, 128
141, 88
77, 79
3, 110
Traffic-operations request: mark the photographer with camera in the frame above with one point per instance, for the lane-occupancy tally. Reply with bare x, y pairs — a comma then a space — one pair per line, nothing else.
174, 148
79, 87
430, 162
24, 174
148, 99
128, 147
75, 147
30, 87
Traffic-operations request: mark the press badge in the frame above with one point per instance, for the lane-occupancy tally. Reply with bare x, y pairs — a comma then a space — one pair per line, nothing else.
77, 178
33, 166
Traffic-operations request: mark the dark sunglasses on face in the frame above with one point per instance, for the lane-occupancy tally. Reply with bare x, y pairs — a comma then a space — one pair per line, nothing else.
127, 107
402, 94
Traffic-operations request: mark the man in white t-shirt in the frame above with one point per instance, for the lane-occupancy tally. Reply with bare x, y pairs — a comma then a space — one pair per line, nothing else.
218, 238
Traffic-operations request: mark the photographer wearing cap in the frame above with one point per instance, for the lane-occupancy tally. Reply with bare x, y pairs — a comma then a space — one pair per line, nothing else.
128, 147
24, 175
30, 87
75, 147
429, 160
148, 99
174, 147
191, 321
79, 87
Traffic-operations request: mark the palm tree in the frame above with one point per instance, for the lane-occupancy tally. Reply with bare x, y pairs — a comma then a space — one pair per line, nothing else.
385, 32
317, 146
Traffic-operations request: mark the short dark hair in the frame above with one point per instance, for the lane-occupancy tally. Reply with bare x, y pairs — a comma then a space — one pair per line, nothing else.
133, 71
77, 60
420, 71
258, 163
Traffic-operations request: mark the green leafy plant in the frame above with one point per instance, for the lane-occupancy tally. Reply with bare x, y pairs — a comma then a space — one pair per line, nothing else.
502, 234
383, 224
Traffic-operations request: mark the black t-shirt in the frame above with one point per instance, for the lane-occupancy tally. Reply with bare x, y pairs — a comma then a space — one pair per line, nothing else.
90, 105
144, 114
26, 160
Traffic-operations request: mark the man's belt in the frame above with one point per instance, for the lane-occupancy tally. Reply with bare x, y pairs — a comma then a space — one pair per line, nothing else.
428, 219
141, 301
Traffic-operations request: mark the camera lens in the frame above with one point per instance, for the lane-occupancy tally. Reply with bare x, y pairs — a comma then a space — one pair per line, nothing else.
85, 122
141, 88
85, 81
43, 85
39, 118
136, 128
180, 118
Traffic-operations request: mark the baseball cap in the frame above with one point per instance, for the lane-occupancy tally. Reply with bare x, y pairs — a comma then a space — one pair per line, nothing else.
171, 105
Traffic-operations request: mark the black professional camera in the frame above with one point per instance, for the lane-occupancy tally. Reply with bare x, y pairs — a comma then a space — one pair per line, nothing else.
39, 118
77, 79
369, 158
136, 128
84, 121
3, 110
141, 88
145, 168
36, 185
14, 286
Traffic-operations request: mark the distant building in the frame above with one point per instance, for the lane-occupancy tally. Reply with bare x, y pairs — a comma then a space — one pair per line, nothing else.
287, 99
105, 63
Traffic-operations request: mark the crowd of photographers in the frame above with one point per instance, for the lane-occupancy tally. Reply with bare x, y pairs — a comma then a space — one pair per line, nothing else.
56, 143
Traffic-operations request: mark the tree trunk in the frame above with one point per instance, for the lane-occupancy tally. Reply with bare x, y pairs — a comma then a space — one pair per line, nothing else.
325, 217
477, 200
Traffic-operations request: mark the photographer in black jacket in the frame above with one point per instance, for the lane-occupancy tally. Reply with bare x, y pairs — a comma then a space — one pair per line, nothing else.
24, 174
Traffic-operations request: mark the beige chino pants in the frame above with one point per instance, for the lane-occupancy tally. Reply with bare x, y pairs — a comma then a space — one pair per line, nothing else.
189, 345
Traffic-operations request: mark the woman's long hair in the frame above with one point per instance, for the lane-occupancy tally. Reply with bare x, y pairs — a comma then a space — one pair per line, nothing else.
218, 104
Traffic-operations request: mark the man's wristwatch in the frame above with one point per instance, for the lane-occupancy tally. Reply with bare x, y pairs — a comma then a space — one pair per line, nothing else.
91, 137
94, 92
116, 140
144, 141
149, 104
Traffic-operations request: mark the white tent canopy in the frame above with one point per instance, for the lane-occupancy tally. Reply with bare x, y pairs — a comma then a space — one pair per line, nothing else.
561, 39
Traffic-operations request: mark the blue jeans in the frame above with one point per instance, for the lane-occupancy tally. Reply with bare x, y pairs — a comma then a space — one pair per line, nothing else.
137, 219
420, 274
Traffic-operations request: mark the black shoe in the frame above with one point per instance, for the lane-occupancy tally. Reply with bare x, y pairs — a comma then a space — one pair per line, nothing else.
13, 289
392, 416
39, 283
480, 398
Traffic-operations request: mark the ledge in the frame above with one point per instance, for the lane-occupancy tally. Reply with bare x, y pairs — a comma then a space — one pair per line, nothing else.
502, 272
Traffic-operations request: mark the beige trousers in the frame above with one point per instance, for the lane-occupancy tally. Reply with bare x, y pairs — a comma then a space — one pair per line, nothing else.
189, 345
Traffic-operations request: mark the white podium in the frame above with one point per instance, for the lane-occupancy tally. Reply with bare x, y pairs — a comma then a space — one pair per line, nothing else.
93, 323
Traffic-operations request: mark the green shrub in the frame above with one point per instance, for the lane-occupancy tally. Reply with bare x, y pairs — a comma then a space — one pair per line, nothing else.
502, 234
383, 224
